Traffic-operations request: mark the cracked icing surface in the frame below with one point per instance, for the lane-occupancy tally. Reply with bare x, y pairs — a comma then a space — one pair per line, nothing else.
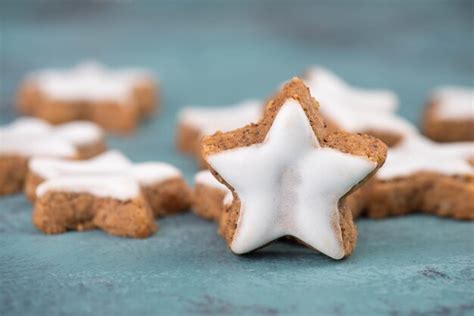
296, 192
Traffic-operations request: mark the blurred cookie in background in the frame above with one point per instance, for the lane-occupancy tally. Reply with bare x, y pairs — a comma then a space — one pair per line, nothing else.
357, 110
27, 138
195, 122
449, 114
116, 99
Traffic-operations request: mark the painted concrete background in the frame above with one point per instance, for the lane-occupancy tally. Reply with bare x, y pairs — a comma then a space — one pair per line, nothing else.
210, 52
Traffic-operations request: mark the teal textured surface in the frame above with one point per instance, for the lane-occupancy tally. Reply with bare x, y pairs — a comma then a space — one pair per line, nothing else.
210, 53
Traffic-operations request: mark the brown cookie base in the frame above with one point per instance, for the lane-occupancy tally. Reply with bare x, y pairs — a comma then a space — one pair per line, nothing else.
188, 141
441, 195
56, 212
446, 130
389, 138
88, 151
32, 182
168, 197
355, 144
119, 117
208, 202
147, 97
164, 198
13, 171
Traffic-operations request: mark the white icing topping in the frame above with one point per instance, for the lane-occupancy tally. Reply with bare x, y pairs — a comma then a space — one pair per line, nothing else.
358, 99
290, 185
206, 178
121, 188
89, 81
34, 137
154, 172
356, 121
353, 109
80, 132
26, 125
454, 102
209, 120
228, 199
417, 154
108, 165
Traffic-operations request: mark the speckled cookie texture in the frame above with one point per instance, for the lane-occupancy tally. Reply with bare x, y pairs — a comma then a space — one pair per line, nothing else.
29, 137
449, 115
195, 122
273, 193
114, 99
57, 211
107, 192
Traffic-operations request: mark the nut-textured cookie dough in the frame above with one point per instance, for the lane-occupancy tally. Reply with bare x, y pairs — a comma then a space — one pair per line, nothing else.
107, 192
196, 122
161, 184
289, 175
422, 176
111, 203
449, 115
114, 99
357, 110
208, 196
29, 137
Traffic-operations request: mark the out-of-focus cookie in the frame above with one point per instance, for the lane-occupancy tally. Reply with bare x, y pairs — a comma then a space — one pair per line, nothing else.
357, 110
162, 184
449, 115
289, 175
114, 99
208, 196
423, 176
29, 137
195, 122
106, 182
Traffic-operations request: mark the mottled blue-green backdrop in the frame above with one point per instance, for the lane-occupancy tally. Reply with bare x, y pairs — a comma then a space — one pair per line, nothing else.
217, 52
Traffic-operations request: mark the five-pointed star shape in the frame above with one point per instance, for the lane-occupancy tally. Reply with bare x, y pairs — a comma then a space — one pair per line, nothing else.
290, 185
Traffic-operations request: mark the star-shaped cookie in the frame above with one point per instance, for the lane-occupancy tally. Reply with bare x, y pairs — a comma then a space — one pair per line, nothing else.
423, 176
108, 192
288, 174
357, 110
